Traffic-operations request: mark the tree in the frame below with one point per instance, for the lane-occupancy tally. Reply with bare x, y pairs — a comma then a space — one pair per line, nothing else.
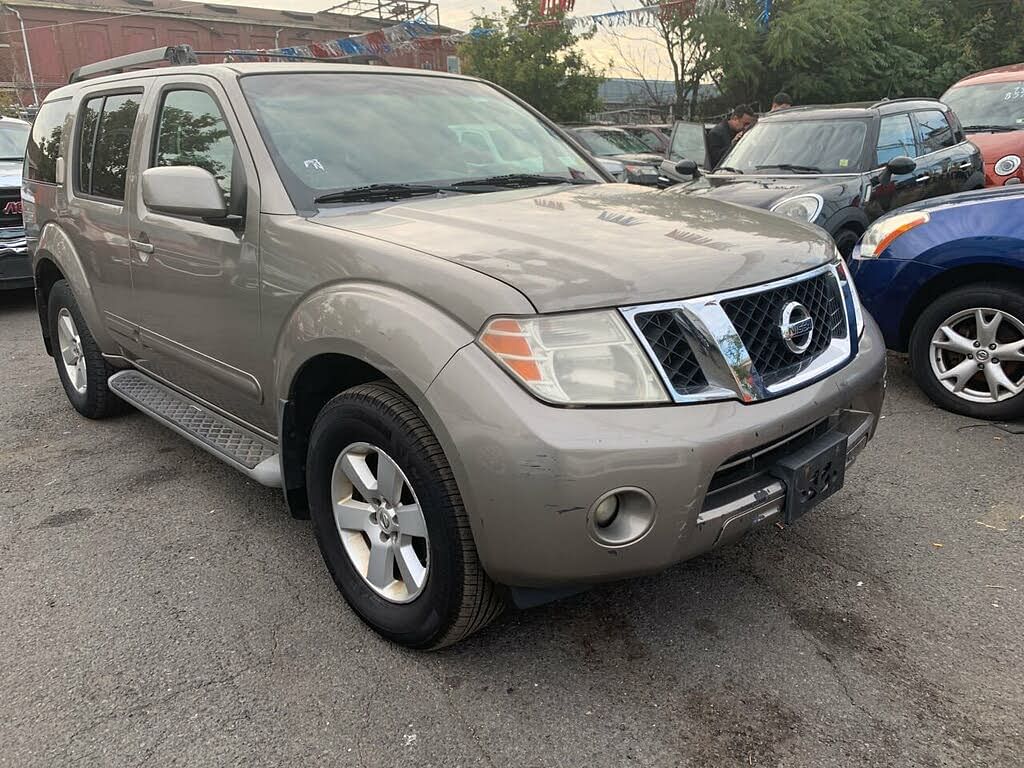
536, 58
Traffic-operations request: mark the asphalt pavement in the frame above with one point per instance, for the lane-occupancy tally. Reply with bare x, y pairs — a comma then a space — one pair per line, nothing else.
158, 608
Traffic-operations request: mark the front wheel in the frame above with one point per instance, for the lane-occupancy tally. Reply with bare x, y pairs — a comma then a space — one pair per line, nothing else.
390, 521
967, 351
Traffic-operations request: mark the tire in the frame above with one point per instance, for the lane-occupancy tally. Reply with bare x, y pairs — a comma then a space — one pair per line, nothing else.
370, 425
846, 239
960, 309
89, 393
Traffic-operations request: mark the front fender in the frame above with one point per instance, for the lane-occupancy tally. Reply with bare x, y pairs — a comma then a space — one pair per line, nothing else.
406, 338
55, 245
844, 217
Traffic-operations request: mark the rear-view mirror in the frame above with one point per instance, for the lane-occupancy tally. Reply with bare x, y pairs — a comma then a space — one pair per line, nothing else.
184, 190
901, 165
687, 168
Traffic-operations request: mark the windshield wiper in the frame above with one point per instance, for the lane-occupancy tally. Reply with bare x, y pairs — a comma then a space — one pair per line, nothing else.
727, 168
373, 192
519, 180
791, 167
992, 128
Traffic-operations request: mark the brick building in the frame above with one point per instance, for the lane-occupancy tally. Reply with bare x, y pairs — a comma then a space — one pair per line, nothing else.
67, 34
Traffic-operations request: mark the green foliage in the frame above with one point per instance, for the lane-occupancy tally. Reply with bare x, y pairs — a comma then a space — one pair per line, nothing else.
824, 51
540, 63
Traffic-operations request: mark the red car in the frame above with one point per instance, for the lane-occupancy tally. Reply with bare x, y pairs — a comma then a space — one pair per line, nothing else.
990, 106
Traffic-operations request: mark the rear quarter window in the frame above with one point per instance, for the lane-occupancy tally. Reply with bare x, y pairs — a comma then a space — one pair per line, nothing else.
45, 141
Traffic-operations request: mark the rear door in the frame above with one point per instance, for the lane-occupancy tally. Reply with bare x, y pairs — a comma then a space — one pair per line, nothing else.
197, 282
938, 156
101, 146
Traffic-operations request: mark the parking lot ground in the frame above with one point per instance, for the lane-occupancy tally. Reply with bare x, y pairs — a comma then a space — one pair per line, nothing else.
157, 608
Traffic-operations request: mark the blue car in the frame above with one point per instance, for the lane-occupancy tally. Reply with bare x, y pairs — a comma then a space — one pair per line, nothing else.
944, 279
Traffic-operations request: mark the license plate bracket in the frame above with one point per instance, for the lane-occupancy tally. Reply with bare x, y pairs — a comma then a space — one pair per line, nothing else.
812, 473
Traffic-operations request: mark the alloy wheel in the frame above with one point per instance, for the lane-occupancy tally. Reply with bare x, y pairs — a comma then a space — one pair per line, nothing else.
978, 355
380, 522
71, 353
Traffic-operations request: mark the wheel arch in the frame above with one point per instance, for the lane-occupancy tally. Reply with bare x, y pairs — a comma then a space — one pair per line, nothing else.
350, 334
47, 274
951, 279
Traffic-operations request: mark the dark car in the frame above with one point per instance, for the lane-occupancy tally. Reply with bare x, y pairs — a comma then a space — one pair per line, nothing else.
656, 137
944, 279
841, 167
15, 265
605, 141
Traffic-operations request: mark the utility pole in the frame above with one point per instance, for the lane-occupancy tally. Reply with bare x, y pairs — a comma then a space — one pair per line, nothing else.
28, 54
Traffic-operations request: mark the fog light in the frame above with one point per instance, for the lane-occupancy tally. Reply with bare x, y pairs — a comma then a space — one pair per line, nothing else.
1011, 182
605, 512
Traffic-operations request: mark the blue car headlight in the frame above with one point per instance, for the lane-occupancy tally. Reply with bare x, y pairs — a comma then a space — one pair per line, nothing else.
883, 232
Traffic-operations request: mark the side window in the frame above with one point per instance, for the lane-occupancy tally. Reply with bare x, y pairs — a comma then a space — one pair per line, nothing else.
933, 131
192, 131
958, 131
45, 141
105, 141
895, 138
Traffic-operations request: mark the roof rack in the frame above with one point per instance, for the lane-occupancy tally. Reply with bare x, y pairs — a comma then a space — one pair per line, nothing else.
177, 55
882, 102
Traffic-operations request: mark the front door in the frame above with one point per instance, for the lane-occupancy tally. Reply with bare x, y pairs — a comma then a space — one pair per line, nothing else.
895, 139
197, 282
936, 143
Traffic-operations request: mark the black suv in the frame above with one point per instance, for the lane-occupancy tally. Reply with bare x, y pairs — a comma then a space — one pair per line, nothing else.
843, 166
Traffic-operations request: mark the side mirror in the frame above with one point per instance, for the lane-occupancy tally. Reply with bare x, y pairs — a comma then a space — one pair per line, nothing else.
183, 190
901, 165
687, 168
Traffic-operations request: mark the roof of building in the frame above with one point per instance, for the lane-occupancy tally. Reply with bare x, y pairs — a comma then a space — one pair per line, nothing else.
625, 90
216, 12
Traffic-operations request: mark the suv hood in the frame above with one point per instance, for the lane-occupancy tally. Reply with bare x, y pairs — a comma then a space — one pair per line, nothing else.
765, 191
597, 245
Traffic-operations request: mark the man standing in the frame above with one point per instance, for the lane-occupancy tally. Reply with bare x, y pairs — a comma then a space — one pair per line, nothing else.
723, 136
781, 100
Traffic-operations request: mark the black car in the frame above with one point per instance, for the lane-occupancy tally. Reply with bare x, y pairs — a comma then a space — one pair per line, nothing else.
843, 166
609, 142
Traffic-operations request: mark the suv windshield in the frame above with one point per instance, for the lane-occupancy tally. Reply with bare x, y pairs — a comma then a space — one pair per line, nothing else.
13, 140
998, 106
688, 143
608, 142
806, 146
334, 132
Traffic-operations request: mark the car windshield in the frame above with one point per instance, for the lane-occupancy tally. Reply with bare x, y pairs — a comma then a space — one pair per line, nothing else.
688, 143
334, 132
13, 140
991, 105
800, 146
608, 142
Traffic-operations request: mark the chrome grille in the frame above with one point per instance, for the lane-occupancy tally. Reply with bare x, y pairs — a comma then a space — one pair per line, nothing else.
731, 345
665, 335
756, 318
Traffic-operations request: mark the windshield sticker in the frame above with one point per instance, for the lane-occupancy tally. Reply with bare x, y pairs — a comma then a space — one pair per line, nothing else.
1015, 93
844, 163
315, 165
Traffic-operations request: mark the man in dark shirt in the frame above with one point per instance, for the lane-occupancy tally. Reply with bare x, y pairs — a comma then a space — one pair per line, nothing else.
781, 100
723, 135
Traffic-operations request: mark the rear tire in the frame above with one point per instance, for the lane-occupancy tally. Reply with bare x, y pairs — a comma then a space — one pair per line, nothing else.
960, 369
82, 369
364, 433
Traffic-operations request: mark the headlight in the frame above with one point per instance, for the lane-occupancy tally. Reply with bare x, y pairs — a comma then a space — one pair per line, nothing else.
802, 207
848, 286
881, 234
588, 358
1006, 165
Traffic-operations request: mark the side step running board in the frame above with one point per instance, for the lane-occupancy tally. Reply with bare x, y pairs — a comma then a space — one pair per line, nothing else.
244, 450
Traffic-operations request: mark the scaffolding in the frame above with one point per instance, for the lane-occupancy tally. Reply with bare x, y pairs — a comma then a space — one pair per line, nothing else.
390, 10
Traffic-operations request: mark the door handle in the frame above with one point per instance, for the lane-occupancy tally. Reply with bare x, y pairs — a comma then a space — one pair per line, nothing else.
924, 177
965, 166
143, 247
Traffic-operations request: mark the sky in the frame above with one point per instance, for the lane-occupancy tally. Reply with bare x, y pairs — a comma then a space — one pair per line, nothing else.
616, 53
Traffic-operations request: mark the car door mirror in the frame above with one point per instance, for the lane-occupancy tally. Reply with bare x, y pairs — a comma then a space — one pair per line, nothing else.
902, 165
184, 190
687, 168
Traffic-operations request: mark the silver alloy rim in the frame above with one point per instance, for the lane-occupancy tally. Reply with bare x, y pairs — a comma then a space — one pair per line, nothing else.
70, 343
978, 355
380, 522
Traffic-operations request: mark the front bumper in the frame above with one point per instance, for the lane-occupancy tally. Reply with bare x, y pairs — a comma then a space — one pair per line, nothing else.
530, 473
15, 265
